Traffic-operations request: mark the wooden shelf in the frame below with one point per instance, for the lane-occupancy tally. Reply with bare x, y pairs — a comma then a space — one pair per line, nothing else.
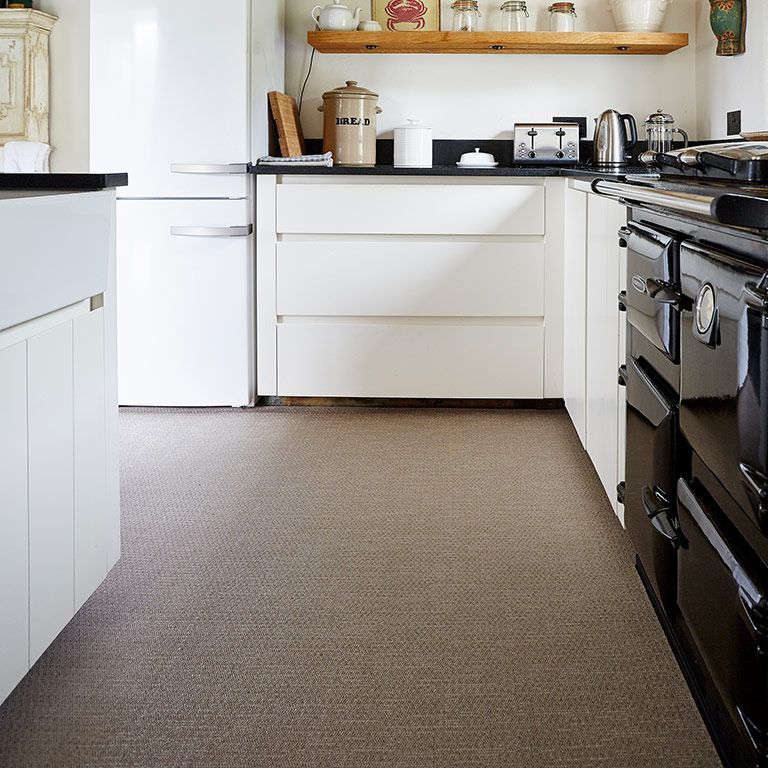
619, 43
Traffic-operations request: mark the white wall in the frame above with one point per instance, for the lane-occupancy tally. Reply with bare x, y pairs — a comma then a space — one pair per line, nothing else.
483, 96
727, 83
70, 84
268, 73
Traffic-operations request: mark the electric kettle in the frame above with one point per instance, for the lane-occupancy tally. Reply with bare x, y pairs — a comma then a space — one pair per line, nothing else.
612, 144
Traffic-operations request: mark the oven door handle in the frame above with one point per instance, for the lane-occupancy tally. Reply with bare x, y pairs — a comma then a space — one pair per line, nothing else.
659, 512
662, 293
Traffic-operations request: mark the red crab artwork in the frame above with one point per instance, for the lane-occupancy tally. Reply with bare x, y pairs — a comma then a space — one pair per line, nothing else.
406, 12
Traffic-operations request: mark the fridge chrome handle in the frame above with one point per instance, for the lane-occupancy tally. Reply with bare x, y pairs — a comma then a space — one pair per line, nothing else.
212, 231
211, 168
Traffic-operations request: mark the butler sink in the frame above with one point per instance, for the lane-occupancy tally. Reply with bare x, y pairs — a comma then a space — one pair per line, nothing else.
54, 252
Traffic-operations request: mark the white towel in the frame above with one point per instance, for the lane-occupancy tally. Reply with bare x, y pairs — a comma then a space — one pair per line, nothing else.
325, 160
25, 157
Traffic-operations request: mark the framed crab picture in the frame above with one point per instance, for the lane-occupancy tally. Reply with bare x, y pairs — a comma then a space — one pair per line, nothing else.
407, 15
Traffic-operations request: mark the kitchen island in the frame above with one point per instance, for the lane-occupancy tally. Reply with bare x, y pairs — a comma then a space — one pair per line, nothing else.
60, 512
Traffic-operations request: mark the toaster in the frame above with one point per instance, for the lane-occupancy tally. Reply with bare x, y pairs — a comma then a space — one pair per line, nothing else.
546, 143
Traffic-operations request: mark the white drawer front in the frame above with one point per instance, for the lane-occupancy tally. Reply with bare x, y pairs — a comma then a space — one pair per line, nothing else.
435, 361
411, 279
410, 209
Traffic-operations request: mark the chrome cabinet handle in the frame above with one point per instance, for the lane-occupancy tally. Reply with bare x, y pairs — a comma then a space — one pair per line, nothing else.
212, 231
225, 168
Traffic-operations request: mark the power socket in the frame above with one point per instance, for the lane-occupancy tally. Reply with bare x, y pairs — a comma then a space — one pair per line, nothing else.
733, 122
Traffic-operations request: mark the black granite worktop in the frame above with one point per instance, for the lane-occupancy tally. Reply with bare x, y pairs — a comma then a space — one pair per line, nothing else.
501, 171
445, 154
61, 182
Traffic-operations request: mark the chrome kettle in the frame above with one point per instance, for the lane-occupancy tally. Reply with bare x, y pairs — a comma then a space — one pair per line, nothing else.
612, 140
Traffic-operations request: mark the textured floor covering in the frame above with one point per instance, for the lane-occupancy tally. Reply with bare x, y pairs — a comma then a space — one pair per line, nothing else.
353, 588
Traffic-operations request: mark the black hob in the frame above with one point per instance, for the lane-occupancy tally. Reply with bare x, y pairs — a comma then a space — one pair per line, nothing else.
734, 162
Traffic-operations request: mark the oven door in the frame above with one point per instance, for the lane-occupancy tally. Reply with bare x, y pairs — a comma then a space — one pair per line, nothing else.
653, 287
724, 385
724, 614
651, 475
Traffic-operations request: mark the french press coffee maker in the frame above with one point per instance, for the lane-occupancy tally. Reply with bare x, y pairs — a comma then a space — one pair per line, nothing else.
660, 130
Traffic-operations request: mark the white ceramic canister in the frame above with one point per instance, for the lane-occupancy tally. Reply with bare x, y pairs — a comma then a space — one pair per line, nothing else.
638, 15
349, 125
413, 145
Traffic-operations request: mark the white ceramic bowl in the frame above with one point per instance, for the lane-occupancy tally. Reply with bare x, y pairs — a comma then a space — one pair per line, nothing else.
638, 15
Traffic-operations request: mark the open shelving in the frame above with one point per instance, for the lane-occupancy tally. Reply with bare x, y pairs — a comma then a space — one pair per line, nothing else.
618, 43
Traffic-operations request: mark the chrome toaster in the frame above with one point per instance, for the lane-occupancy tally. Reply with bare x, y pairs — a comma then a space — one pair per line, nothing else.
549, 143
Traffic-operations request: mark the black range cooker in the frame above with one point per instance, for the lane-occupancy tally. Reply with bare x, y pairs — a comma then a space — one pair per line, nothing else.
696, 490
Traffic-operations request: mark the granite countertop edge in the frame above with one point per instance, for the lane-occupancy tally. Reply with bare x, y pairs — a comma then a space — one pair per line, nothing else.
58, 182
582, 172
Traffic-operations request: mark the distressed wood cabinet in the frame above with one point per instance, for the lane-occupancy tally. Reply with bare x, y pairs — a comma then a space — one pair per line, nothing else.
24, 75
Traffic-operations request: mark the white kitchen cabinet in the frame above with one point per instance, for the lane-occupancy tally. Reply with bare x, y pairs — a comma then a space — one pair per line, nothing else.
90, 456
59, 474
50, 416
383, 360
411, 209
409, 287
14, 541
575, 311
411, 279
604, 396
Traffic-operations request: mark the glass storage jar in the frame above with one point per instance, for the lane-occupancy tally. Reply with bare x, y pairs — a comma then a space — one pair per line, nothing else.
562, 17
514, 16
466, 16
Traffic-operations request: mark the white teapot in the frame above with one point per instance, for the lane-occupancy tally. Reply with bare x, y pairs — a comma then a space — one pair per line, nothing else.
336, 17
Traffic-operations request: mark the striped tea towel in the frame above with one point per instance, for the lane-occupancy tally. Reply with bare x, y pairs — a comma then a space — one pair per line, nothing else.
325, 160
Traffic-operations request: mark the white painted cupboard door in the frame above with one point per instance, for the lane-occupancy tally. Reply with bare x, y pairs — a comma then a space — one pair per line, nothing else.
603, 340
344, 359
14, 542
90, 489
410, 279
185, 310
169, 82
411, 209
575, 311
51, 436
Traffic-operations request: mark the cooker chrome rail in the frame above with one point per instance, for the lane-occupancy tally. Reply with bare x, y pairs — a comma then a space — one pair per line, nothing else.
701, 205
733, 209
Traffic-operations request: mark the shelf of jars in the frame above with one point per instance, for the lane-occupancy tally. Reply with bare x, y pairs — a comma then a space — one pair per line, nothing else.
619, 43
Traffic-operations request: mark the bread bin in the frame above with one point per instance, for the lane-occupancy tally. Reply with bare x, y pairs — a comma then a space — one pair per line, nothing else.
413, 145
349, 124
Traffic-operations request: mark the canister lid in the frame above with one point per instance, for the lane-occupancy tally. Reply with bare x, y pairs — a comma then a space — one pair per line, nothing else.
413, 125
349, 91
514, 5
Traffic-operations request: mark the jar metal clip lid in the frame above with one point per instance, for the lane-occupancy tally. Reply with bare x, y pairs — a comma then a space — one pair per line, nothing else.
562, 8
515, 5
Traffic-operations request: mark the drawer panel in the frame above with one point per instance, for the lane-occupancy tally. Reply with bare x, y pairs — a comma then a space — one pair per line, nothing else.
408, 360
411, 279
410, 209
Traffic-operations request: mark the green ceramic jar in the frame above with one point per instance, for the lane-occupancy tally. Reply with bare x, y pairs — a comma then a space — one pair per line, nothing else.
728, 19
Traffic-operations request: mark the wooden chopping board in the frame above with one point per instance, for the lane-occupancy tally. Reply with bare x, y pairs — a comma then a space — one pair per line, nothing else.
285, 112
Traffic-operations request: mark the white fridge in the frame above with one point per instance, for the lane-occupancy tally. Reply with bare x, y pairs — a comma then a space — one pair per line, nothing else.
179, 101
